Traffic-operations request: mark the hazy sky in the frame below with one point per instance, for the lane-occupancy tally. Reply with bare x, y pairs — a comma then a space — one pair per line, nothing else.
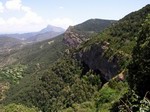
33, 15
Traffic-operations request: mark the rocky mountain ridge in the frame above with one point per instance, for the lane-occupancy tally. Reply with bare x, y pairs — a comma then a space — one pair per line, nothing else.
77, 34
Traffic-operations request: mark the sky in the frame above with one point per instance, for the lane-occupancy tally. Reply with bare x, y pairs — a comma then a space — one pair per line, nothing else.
20, 16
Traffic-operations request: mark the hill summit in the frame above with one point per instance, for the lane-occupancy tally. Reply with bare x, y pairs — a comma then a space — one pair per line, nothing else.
51, 28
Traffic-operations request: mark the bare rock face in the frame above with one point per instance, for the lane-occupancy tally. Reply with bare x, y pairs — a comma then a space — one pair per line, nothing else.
77, 34
91, 56
74, 37
94, 59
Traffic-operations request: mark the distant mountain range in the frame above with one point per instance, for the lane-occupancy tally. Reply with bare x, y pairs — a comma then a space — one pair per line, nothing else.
46, 33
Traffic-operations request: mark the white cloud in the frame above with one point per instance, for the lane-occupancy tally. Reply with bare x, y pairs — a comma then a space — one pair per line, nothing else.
12, 21
1, 7
20, 25
2, 21
29, 21
61, 7
26, 9
31, 17
62, 22
13, 4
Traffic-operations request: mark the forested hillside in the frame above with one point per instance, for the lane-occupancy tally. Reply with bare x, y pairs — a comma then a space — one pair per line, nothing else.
32, 67
96, 66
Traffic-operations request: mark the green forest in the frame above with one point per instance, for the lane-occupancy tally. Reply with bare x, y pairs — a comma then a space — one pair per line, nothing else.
95, 66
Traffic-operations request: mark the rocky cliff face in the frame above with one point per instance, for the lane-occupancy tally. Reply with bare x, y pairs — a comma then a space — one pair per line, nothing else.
73, 37
94, 58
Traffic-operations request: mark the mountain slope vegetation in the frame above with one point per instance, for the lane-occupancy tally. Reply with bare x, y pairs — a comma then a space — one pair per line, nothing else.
7, 42
77, 34
8, 46
139, 68
96, 25
92, 76
125, 42
27, 73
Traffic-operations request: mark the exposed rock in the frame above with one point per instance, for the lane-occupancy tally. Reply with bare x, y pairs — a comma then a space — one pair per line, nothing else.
77, 34
72, 37
94, 58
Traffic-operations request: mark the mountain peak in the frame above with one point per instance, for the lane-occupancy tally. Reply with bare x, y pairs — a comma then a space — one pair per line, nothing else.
51, 28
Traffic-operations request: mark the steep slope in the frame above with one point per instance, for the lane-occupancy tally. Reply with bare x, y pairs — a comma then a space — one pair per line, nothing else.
139, 68
38, 58
114, 49
110, 51
137, 99
75, 35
